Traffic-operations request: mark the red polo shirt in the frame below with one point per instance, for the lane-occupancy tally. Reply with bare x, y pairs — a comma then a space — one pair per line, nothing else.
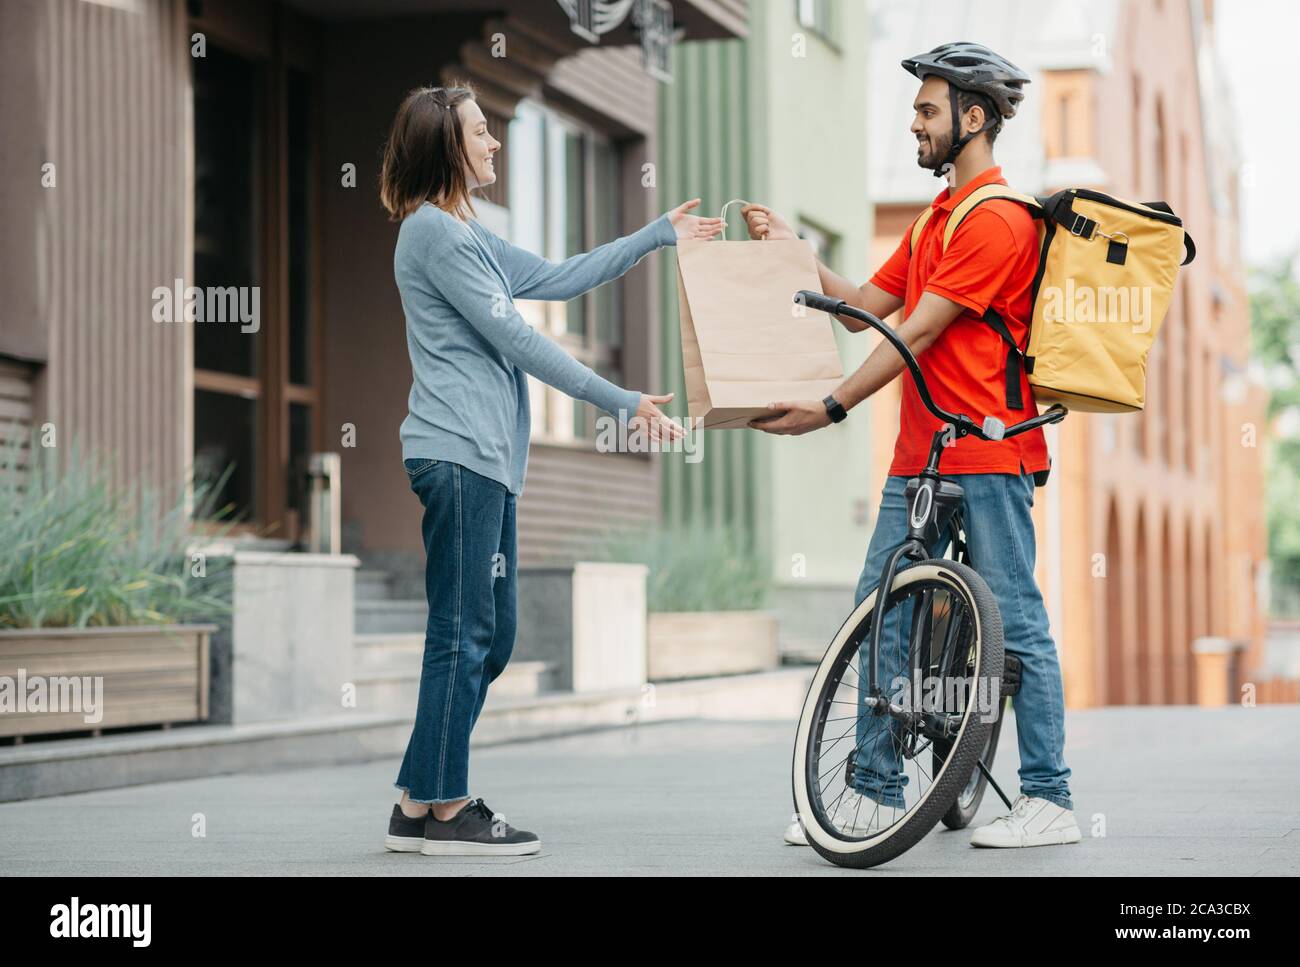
991, 261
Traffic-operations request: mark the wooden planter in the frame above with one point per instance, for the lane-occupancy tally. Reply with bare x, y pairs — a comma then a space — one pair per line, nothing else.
151, 675
699, 644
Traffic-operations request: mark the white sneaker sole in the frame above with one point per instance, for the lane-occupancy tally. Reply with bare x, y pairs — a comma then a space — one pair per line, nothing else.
403, 844
1056, 837
801, 838
451, 848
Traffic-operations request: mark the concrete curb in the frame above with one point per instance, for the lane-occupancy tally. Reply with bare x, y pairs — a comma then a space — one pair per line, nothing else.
61, 767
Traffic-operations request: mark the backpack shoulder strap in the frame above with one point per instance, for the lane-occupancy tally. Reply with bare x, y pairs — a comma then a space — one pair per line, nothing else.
983, 194
1016, 358
917, 226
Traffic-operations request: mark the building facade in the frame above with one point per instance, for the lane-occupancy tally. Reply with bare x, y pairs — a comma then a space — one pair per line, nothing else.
154, 145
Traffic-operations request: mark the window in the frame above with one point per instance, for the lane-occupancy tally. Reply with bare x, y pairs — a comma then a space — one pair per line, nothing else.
1063, 105
817, 16
1158, 151
1135, 136
1189, 381
300, 386
256, 392
824, 243
229, 93
565, 198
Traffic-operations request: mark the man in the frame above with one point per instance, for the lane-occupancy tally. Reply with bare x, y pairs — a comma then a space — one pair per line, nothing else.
966, 91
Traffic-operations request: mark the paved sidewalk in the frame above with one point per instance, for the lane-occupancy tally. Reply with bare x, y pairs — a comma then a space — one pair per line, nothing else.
1181, 791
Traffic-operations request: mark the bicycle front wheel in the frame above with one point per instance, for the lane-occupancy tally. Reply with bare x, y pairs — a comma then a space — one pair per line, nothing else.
867, 783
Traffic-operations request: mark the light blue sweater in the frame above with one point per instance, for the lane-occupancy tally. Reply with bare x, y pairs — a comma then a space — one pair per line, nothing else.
470, 348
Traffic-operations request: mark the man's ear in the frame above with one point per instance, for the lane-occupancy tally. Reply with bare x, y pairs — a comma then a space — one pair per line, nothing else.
976, 111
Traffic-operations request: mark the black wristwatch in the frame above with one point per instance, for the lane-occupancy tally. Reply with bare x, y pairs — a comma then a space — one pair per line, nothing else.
834, 408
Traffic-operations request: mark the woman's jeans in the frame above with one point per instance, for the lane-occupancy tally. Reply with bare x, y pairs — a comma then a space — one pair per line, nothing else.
470, 581
1000, 539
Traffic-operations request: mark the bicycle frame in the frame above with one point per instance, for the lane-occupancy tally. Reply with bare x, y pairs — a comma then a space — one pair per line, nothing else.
935, 499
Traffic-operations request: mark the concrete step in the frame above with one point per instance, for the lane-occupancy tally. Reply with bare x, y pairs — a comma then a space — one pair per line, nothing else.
387, 673
372, 584
379, 652
60, 767
63, 766
802, 651
391, 617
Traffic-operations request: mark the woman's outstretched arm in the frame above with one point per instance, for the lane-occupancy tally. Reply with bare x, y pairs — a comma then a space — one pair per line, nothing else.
533, 277
465, 279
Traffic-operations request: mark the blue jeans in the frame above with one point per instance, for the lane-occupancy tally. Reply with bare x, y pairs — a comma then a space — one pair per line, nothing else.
1000, 539
470, 581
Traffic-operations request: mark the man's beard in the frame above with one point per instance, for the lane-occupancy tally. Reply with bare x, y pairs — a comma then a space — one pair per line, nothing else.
939, 148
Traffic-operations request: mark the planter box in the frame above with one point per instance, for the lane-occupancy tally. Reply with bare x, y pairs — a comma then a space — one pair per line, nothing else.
289, 650
699, 644
586, 621
98, 678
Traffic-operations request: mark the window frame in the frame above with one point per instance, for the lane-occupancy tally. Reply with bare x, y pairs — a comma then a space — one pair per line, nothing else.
817, 16
277, 41
554, 414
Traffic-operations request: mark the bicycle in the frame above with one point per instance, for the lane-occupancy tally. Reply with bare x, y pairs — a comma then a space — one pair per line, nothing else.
954, 646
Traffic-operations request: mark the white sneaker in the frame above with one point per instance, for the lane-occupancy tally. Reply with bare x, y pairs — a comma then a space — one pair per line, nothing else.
856, 815
1031, 822
859, 815
794, 834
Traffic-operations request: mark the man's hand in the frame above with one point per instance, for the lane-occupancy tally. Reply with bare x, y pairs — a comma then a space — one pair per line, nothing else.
764, 223
793, 418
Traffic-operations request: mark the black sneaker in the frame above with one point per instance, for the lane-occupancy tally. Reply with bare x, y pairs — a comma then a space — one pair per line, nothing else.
405, 835
476, 831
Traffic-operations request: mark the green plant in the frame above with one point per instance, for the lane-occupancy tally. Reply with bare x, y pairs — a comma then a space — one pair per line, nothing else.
693, 569
1275, 332
79, 551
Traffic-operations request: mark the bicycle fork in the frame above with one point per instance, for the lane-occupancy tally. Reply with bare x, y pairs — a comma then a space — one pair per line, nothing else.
934, 501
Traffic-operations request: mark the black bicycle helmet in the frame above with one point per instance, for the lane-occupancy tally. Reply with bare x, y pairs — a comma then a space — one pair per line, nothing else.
974, 68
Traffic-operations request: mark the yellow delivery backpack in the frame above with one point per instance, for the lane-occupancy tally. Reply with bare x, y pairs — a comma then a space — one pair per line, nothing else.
1106, 273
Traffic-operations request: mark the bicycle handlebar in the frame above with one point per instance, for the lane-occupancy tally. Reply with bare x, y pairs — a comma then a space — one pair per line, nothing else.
991, 429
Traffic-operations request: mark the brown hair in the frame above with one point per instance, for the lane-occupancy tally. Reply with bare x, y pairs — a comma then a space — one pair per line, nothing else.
425, 157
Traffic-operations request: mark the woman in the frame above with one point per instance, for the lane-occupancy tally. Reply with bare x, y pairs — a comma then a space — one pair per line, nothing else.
465, 437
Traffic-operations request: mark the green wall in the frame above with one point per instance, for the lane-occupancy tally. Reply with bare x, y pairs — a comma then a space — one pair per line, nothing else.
705, 150
751, 119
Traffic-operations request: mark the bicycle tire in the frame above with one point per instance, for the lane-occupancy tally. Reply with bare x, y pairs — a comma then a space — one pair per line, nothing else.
963, 810
967, 745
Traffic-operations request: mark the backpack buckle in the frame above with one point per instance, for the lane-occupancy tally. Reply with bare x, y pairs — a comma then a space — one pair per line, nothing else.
1080, 226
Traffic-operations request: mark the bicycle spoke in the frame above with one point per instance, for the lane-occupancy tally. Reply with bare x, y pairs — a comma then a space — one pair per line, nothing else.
843, 735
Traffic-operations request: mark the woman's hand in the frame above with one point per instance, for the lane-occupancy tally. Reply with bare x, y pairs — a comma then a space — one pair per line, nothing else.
693, 226
766, 224
658, 425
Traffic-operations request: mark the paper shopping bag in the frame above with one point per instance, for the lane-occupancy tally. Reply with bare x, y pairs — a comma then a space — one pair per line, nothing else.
745, 343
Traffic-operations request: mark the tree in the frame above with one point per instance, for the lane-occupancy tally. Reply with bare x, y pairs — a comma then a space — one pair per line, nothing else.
1275, 335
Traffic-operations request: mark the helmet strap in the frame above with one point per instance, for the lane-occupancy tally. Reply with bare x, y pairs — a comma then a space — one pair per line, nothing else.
959, 140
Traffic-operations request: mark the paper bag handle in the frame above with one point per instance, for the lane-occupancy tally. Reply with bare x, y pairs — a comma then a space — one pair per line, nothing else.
724, 214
